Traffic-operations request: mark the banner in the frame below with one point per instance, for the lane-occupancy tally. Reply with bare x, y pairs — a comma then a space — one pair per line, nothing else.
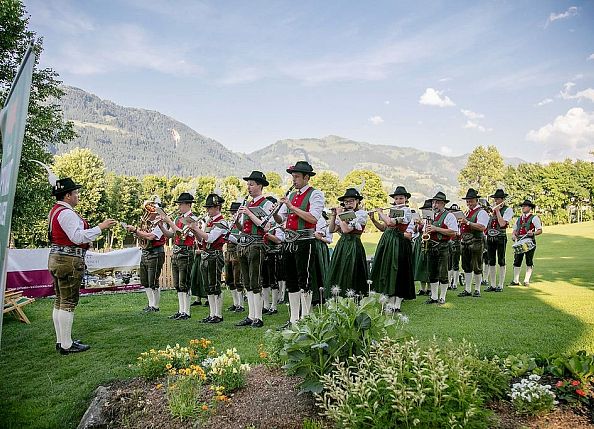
13, 119
117, 270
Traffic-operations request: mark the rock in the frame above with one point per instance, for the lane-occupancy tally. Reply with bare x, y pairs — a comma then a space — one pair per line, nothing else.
94, 417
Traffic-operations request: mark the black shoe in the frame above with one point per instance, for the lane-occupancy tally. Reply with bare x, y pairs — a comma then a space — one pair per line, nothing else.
257, 323
265, 311
514, 284
454, 287
147, 309
59, 346
245, 322
232, 308
74, 348
450, 287
215, 319
155, 309
498, 289
476, 294
195, 303
285, 326
183, 316
206, 319
526, 283
464, 293
175, 316
239, 309
421, 292
490, 289
271, 311
441, 301
431, 301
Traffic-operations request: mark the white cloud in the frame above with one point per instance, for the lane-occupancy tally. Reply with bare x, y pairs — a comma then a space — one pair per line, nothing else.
565, 93
474, 125
445, 79
543, 102
445, 150
432, 97
387, 102
572, 11
376, 120
472, 115
591, 57
569, 135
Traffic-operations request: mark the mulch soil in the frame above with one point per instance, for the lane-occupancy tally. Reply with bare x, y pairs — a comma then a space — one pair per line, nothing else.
270, 400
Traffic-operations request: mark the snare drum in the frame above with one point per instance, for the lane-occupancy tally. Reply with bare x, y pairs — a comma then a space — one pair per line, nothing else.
523, 245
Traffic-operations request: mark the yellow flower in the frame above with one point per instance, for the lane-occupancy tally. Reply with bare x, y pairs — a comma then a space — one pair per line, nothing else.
168, 366
263, 355
159, 386
205, 407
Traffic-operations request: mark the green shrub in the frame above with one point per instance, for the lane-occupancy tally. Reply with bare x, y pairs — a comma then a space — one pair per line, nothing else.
183, 396
226, 370
405, 384
341, 329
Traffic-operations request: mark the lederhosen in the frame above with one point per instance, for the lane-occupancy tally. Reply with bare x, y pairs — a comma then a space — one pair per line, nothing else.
251, 250
523, 225
182, 259
232, 267
151, 263
420, 268
269, 265
299, 250
392, 270
439, 251
496, 240
197, 281
66, 262
212, 261
472, 245
454, 261
348, 265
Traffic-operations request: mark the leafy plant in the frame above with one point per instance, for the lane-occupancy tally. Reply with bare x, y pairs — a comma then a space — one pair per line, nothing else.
532, 398
406, 384
574, 391
341, 329
579, 365
183, 395
227, 370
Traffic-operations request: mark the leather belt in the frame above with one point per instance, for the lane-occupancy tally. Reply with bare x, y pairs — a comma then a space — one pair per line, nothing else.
79, 252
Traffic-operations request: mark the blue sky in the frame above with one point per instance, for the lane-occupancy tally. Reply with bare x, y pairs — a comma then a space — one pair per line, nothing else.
443, 76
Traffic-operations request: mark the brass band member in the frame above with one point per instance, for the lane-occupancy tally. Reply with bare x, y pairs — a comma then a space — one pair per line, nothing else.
251, 253
392, 270
212, 260
183, 253
420, 268
301, 211
152, 241
232, 268
348, 266
497, 239
454, 261
268, 275
443, 227
69, 235
527, 225
472, 228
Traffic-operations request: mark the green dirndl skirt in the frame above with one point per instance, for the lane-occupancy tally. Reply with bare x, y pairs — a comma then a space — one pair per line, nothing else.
392, 270
320, 271
196, 281
348, 266
420, 268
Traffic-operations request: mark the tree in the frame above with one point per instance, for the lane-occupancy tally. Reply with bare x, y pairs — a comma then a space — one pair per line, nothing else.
329, 183
373, 192
87, 169
483, 171
45, 126
124, 204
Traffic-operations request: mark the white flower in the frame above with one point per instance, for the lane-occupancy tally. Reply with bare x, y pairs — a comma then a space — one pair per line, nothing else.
350, 293
383, 298
335, 290
403, 318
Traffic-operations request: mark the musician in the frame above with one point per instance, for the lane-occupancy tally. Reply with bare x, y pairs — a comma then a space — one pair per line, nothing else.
183, 252
442, 227
392, 270
232, 268
348, 266
323, 237
500, 218
69, 235
153, 256
212, 261
420, 270
454, 261
472, 228
301, 210
251, 253
528, 225
270, 284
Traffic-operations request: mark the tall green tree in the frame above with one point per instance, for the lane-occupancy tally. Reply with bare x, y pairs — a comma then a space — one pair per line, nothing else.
329, 183
483, 171
373, 191
45, 126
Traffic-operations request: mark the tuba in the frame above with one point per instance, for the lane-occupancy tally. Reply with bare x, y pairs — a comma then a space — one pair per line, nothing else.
147, 219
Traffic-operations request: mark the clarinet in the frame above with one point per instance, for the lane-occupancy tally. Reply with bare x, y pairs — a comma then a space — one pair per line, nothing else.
275, 209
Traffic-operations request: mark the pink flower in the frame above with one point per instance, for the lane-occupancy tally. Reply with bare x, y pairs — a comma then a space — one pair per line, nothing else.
580, 392
575, 383
560, 384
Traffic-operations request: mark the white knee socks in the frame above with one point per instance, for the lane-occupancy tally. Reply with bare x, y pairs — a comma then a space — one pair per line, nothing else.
294, 304
443, 290
274, 299
492, 275
468, 282
266, 297
56, 319
66, 320
151, 296
250, 300
434, 287
517, 274
478, 278
258, 303
501, 276
528, 274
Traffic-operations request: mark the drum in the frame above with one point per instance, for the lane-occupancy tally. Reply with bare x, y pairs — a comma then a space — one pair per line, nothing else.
523, 245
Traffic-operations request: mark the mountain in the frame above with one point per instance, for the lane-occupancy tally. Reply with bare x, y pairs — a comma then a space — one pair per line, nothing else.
138, 142
420, 171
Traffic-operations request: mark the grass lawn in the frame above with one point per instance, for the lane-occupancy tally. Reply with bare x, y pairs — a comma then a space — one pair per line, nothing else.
40, 388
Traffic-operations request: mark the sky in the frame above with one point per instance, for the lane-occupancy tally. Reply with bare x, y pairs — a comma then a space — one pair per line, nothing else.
442, 76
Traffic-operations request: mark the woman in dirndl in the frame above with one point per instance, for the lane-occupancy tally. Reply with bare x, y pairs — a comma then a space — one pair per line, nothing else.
348, 267
392, 270
323, 236
420, 269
